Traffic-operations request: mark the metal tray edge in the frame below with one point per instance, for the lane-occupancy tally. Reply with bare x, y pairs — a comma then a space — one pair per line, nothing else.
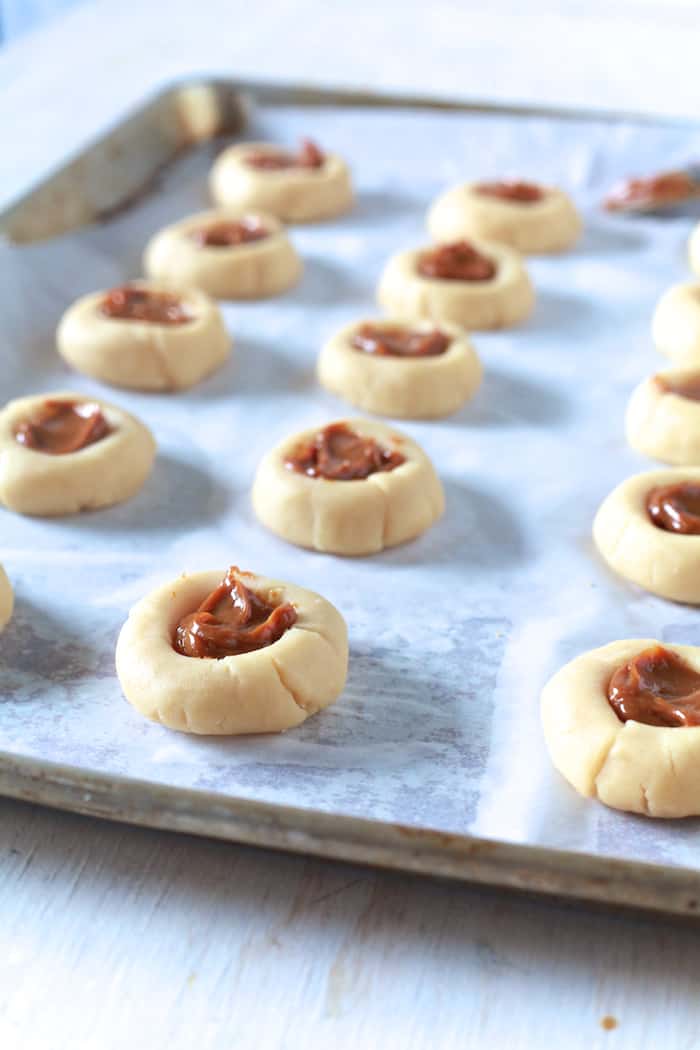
343, 837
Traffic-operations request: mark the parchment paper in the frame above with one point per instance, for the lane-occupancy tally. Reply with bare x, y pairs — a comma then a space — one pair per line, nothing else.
452, 636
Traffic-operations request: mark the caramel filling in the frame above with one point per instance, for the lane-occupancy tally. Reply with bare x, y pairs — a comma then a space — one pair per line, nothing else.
61, 427
226, 234
676, 507
688, 387
515, 190
655, 191
337, 453
456, 262
139, 304
656, 688
396, 341
307, 156
233, 619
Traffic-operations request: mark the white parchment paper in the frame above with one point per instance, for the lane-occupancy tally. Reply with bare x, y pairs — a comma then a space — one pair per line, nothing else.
453, 636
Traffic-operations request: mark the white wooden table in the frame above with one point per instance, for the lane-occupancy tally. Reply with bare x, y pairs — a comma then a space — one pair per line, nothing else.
117, 937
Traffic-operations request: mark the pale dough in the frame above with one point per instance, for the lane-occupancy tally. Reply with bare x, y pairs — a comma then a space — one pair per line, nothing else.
266, 691
664, 425
551, 224
653, 770
402, 387
504, 300
142, 354
665, 563
106, 472
349, 517
676, 323
7, 599
292, 194
255, 270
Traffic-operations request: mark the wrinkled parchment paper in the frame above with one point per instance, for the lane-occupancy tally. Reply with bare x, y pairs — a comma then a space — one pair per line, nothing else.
452, 636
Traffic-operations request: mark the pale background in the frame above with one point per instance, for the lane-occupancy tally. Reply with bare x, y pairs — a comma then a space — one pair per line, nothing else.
115, 937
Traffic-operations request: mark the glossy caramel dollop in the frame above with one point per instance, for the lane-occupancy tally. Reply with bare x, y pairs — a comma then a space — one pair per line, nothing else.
656, 688
338, 453
688, 386
458, 261
127, 303
655, 191
61, 427
675, 507
399, 341
232, 620
307, 156
231, 233
516, 190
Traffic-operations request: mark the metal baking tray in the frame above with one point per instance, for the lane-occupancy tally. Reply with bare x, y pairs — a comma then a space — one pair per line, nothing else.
433, 759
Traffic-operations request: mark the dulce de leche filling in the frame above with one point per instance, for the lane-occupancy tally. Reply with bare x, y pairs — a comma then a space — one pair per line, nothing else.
458, 261
656, 688
60, 427
231, 233
675, 507
233, 619
397, 341
687, 386
139, 304
307, 156
515, 190
337, 453
655, 191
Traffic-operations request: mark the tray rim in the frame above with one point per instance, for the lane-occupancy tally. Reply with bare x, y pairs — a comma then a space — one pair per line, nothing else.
300, 93
468, 858
635, 885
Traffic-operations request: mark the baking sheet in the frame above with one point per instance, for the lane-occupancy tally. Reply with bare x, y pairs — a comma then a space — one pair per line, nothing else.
452, 636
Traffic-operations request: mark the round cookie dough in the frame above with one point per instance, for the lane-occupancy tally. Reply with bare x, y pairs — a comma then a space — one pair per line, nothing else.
664, 563
532, 226
109, 471
293, 193
144, 354
7, 599
352, 517
265, 691
632, 766
676, 323
501, 301
254, 269
663, 420
405, 387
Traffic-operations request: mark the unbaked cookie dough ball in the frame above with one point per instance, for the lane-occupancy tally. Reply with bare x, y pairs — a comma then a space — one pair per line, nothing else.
352, 487
676, 323
229, 653
229, 254
477, 285
413, 371
622, 724
663, 417
144, 335
533, 219
300, 186
7, 599
63, 453
648, 530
